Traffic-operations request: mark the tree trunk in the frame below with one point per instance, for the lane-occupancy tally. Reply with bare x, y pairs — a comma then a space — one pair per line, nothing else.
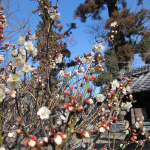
112, 6
125, 65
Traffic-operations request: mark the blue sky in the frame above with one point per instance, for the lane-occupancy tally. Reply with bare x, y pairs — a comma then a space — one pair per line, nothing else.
82, 41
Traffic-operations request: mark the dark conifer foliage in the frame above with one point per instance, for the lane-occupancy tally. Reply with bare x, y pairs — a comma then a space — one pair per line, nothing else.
131, 26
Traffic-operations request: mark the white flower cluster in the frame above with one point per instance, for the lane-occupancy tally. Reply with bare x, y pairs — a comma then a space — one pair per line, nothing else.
58, 59
63, 73
99, 47
88, 58
54, 15
126, 106
28, 46
113, 24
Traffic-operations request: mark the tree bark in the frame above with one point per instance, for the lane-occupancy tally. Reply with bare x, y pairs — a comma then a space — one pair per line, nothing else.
112, 6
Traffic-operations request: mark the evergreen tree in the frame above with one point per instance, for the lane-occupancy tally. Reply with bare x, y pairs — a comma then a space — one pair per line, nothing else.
130, 26
144, 50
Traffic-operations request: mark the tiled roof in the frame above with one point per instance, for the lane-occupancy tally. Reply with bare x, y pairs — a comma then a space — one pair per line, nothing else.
140, 79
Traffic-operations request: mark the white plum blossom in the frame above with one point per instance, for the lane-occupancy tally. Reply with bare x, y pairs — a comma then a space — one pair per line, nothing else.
52, 65
130, 96
60, 84
62, 117
83, 145
21, 40
127, 132
62, 73
54, 15
18, 62
14, 53
124, 92
7, 45
11, 134
126, 105
44, 113
14, 81
22, 51
2, 148
99, 47
113, 24
100, 98
89, 59
128, 89
1, 58
83, 60
27, 68
126, 124
34, 52
92, 53
139, 124
115, 84
58, 59
34, 37
29, 46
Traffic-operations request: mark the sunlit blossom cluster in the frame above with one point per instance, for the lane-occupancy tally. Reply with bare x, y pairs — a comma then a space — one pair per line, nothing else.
51, 106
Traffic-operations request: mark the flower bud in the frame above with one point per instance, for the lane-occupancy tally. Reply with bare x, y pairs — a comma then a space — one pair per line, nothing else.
71, 108
79, 108
71, 87
46, 139
20, 120
107, 127
66, 93
85, 134
93, 77
32, 141
88, 101
89, 89
25, 143
64, 135
58, 139
1, 26
12, 93
41, 143
80, 95
1, 36
54, 127
86, 77
19, 131
109, 105
65, 105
